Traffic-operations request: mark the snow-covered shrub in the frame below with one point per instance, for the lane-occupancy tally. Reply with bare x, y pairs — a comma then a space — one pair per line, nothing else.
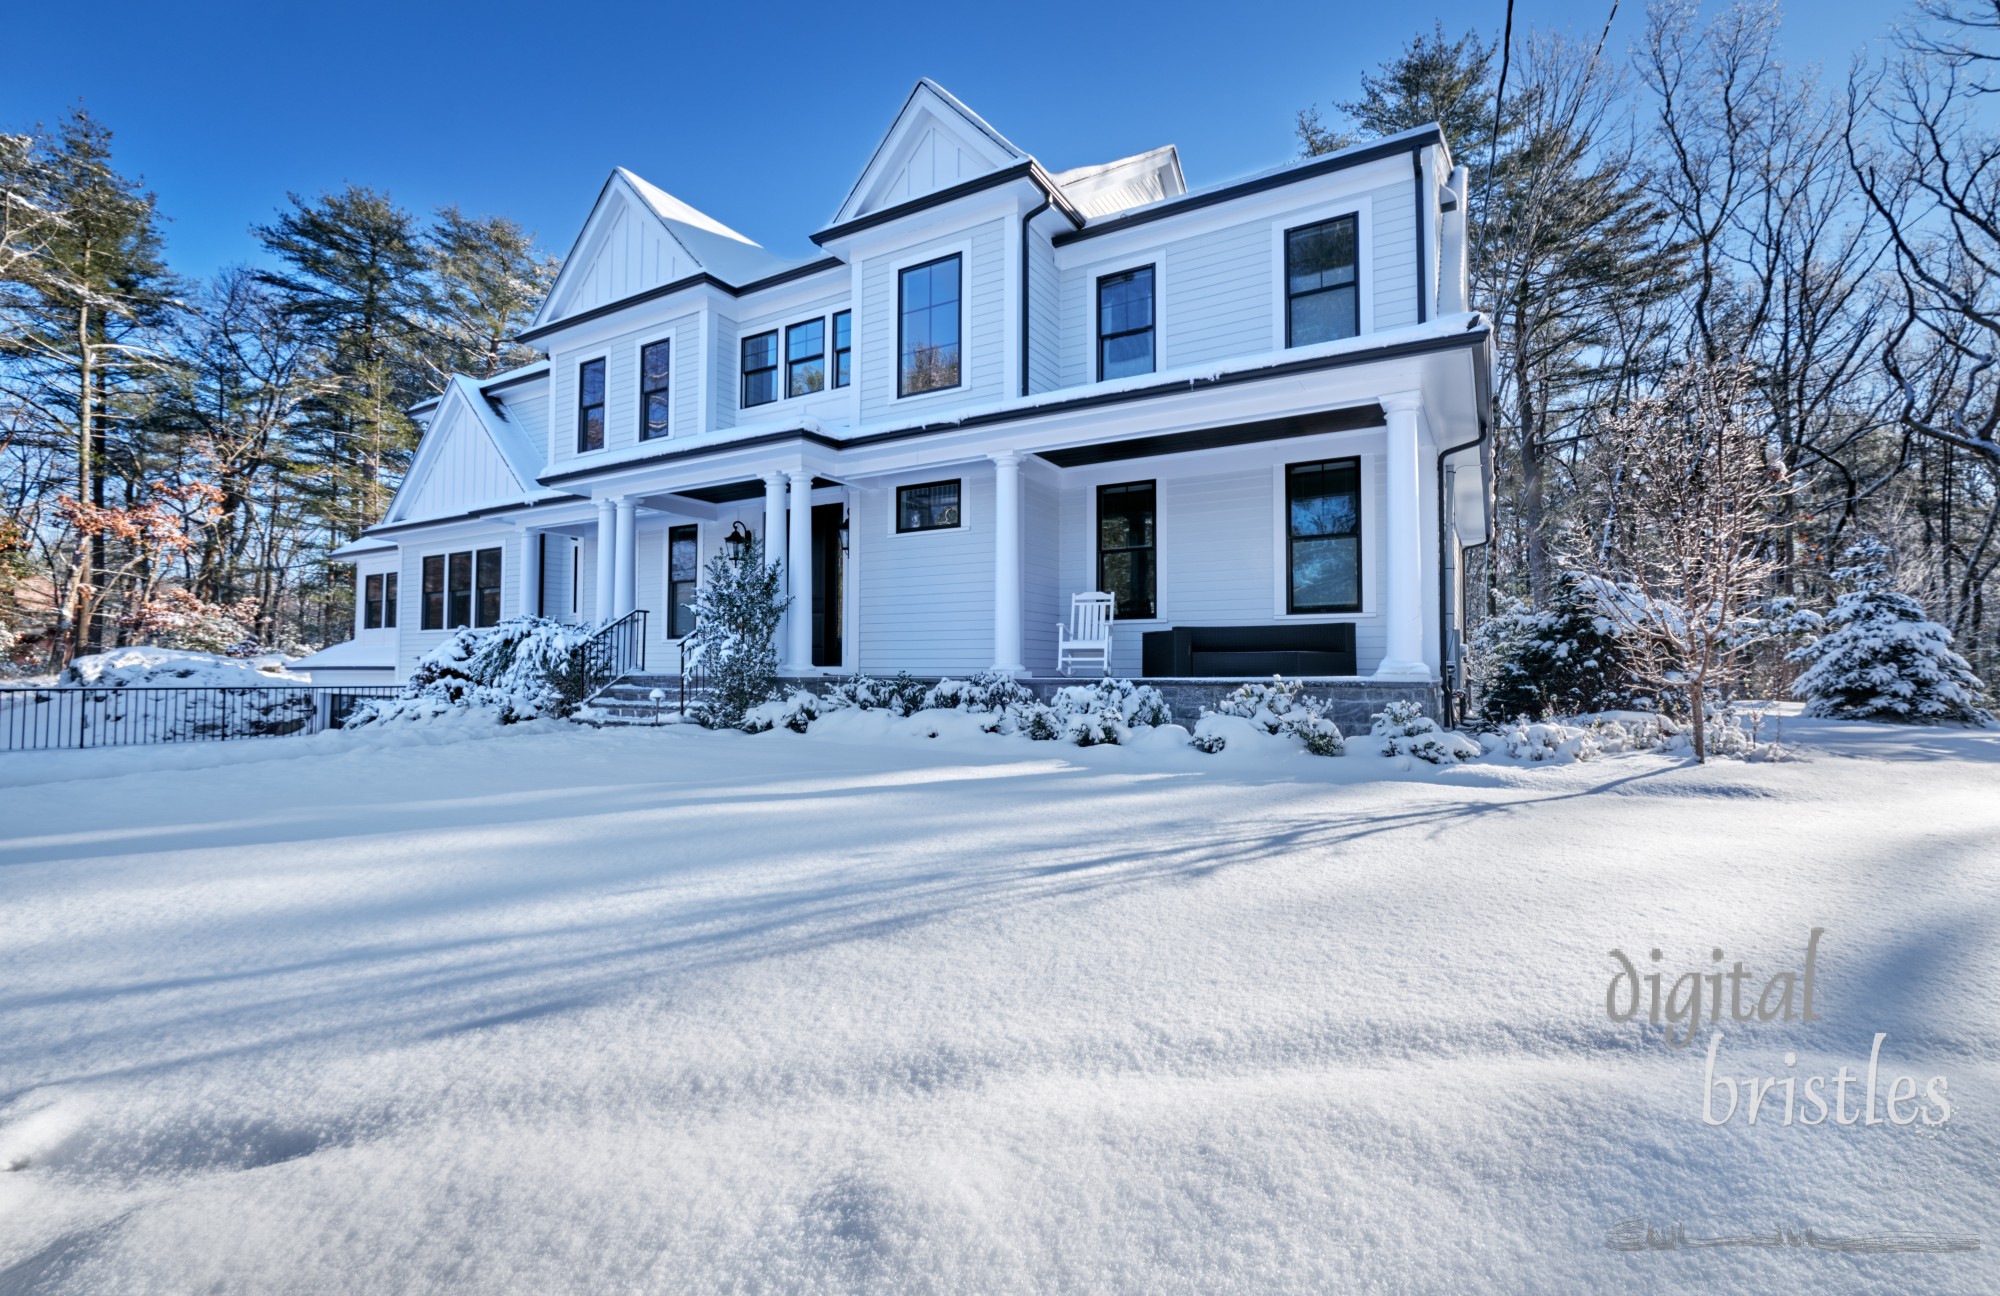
150, 667
1281, 707
1405, 730
1556, 662
988, 691
1320, 736
1035, 721
1548, 740
515, 669
1881, 657
1208, 736
795, 712
737, 608
900, 696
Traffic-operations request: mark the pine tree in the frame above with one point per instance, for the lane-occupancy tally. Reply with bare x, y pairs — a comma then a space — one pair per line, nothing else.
1882, 658
489, 280
1565, 660
736, 613
1432, 80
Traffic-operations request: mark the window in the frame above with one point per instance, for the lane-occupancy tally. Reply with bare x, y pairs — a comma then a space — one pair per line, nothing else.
805, 358
927, 327
843, 348
760, 369
575, 577
1125, 324
683, 571
656, 366
1322, 294
590, 406
932, 506
1125, 543
460, 589
1323, 528
378, 602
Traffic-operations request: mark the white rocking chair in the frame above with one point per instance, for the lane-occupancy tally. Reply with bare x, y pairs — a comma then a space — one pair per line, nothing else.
1087, 637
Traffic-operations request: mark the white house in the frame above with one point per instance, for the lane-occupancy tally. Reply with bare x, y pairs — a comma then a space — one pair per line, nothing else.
1255, 412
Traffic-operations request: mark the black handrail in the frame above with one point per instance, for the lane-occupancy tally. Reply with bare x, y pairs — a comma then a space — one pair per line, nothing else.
615, 651
34, 718
693, 673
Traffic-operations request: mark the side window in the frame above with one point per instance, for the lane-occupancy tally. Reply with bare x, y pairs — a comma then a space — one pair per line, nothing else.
760, 369
1322, 287
433, 592
927, 327
843, 348
590, 406
1125, 324
389, 584
371, 603
656, 364
458, 591
1125, 547
932, 506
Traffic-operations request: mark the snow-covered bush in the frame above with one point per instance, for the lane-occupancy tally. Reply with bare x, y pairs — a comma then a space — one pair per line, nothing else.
795, 712
986, 692
1560, 661
737, 608
1279, 707
1087, 715
901, 696
1405, 730
517, 669
1548, 740
1881, 657
1208, 736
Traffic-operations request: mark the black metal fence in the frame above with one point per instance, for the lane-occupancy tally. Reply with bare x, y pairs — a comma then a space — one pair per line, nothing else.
46, 719
617, 650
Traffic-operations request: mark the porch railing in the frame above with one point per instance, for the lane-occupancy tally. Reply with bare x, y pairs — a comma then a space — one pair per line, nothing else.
47, 719
617, 650
693, 675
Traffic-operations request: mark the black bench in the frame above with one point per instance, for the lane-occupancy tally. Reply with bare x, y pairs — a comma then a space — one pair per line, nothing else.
1308, 648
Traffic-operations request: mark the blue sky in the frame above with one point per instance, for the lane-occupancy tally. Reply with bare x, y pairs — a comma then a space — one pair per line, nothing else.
761, 116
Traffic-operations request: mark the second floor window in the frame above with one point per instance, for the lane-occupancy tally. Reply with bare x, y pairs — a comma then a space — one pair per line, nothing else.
760, 369
1125, 324
1322, 288
927, 327
656, 364
805, 358
843, 348
590, 406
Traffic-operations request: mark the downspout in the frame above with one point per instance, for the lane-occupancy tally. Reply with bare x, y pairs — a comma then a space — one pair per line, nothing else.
1048, 200
1423, 280
1445, 663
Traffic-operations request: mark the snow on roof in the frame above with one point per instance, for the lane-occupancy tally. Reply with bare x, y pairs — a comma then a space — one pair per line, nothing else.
1128, 182
350, 655
718, 249
361, 547
980, 122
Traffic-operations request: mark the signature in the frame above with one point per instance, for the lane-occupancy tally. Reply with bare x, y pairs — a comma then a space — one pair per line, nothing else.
1638, 1235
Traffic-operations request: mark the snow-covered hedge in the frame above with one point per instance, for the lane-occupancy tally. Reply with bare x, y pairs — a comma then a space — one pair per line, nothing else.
1405, 730
1105, 712
1279, 708
518, 670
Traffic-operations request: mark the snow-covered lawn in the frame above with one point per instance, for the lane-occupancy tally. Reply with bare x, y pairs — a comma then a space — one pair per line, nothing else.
548, 1010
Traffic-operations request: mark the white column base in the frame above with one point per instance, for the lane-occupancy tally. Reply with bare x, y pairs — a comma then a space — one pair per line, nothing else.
1415, 671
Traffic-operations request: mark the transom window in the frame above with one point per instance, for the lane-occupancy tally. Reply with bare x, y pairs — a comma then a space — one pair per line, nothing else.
1125, 547
1322, 288
933, 506
1323, 526
805, 358
760, 369
462, 589
683, 574
590, 406
1125, 324
656, 364
927, 327
843, 348
378, 602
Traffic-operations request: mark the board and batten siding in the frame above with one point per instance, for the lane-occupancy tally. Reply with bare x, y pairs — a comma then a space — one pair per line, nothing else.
465, 469
635, 253
926, 599
982, 328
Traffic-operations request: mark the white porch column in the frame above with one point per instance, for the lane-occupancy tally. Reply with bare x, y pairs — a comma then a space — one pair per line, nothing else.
625, 596
1402, 545
531, 572
798, 577
1007, 562
607, 547
774, 542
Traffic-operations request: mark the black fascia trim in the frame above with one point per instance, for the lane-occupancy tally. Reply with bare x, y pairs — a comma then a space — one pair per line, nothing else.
697, 279
1028, 170
1346, 418
1258, 184
470, 515
488, 389
1474, 336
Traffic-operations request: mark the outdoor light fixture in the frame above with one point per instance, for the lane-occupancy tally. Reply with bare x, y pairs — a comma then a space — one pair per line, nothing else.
739, 539
843, 532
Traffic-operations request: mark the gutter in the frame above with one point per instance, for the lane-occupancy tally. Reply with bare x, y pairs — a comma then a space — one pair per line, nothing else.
1423, 280
1048, 200
1444, 548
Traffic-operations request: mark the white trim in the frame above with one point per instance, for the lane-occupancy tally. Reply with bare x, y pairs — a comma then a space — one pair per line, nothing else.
1154, 256
909, 259
577, 360
641, 341
959, 474
1093, 567
1359, 205
1371, 541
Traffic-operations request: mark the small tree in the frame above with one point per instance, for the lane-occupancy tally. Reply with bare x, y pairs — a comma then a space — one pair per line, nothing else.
736, 615
1687, 505
1563, 661
1882, 658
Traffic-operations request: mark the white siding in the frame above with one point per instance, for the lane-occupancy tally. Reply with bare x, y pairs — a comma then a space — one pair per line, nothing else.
1395, 255
926, 598
414, 641
937, 158
982, 337
527, 407
1045, 319
465, 469
725, 383
1041, 561
634, 253
621, 385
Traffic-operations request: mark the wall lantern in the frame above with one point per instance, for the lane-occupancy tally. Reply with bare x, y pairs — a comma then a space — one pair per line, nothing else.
843, 531
739, 541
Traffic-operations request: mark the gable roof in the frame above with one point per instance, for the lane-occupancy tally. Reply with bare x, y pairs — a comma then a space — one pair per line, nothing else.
1125, 183
465, 410
934, 142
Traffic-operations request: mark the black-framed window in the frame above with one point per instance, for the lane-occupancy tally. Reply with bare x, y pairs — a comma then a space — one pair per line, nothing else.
927, 326
590, 406
378, 601
1322, 281
1125, 323
805, 358
760, 369
683, 574
843, 348
1127, 524
1323, 536
575, 577
931, 506
460, 589
656, 372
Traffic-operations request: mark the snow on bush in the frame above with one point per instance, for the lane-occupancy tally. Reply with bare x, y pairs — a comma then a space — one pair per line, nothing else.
1277, 708
1105, 712
1561, 661
903, 695
150, 667
987, 692
796, 713
518, 670
736, 613
1406, 731
1881, 657
1548, 740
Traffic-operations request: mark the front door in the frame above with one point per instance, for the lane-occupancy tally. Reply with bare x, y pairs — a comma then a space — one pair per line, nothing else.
829, 576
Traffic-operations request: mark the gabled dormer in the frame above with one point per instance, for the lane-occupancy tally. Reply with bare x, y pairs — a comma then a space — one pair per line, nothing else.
934, 143
472, 455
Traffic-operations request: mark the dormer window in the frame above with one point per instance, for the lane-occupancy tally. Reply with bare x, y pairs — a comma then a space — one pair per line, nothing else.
1125, 324
656, 365
760, 369
1322, 286
590, 406
927, 328
805, 358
